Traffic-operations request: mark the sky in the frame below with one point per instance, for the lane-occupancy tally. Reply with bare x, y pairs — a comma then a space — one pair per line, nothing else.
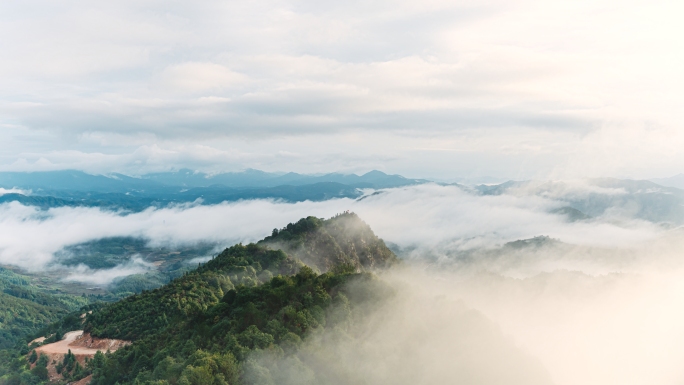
435, 89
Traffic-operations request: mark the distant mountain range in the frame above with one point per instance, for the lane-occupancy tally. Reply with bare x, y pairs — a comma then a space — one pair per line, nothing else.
585, 199
118, 191
581, 200
673, 181
256, 178
73, 180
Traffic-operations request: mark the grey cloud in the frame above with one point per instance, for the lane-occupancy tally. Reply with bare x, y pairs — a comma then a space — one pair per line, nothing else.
347, 93
291, 113
150, 72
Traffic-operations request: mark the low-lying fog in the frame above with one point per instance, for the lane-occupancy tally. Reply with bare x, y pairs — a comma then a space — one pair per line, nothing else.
562, 328
597, 302
429, 219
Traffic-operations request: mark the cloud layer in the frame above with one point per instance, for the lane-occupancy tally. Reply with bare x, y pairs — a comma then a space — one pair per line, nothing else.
514, 88
431, 218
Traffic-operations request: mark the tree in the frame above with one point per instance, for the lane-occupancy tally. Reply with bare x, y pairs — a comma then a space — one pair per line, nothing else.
33, 357
40, 372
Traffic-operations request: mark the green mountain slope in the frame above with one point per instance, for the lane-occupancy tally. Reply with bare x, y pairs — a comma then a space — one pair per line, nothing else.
20, 317
203, 327
258, 315
343, 243
25, 309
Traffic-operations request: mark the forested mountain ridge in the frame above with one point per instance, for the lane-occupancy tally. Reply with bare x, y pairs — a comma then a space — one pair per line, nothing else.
140, 315
208, 326
344, 240
343, 243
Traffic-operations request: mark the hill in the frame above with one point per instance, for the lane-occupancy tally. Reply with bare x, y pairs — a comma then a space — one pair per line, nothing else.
24, 309
673, 181
353, 248
201, 328
161, 197
592, 198
258, 315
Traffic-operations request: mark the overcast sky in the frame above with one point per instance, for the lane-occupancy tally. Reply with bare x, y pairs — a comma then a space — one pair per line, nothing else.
442, 89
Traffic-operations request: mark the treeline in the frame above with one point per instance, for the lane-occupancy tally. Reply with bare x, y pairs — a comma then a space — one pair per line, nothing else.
218, 346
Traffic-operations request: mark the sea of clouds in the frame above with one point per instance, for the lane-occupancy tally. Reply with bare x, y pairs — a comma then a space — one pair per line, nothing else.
426, 216
600, 304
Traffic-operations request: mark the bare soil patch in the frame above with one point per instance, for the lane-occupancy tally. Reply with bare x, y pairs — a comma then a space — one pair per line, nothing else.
82, 345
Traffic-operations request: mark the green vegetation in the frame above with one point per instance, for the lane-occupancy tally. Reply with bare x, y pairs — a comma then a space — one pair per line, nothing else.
24, 309
192, 294
344, 241
27, 311
19, 318
43, 305
213, 345
110, 252
211, 324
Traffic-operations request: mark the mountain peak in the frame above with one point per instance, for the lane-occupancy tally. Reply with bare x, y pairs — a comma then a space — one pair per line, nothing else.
343, 240
374, 173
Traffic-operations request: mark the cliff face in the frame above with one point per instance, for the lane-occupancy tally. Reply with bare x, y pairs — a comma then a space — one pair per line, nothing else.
95, 344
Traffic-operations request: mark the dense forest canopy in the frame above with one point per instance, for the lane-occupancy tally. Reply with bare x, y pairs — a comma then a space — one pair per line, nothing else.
255, 300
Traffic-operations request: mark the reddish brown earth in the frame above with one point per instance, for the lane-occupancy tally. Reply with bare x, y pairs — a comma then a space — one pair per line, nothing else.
86, 341
37, 340
84, 381
81, 345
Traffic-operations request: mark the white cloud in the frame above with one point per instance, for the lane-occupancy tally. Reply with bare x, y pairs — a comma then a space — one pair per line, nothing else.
196, 77
436, 219
4, 191
84, 274
587, 87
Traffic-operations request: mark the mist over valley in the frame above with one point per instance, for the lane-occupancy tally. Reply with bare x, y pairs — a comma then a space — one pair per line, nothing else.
544, 275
